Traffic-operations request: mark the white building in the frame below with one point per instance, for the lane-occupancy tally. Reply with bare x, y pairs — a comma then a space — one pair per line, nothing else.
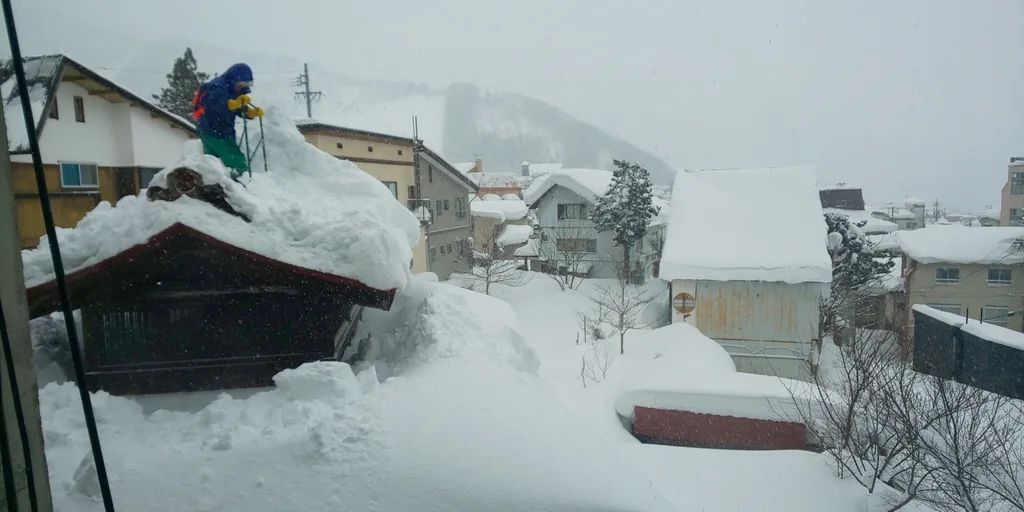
564, 200
747, 260
98, 140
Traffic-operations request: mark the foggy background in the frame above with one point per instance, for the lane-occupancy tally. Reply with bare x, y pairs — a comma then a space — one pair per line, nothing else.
917, 98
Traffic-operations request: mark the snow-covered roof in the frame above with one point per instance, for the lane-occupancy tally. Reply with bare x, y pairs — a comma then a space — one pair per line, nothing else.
500, 209
892, 281
871, 225
893, 212
531, 248
514, 234
42, 76
749, 225
464, 167
885, 241
310, 210
961, 244
538, 170
587, 183
990, 332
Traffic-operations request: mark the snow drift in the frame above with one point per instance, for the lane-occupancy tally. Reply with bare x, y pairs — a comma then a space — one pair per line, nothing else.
311, 210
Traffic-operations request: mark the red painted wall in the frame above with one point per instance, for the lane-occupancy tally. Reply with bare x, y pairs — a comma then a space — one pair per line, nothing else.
684, 428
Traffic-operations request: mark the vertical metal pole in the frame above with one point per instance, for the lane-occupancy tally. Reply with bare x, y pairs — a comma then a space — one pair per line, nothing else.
58, 263
19, 412
263, 142
6, 464
245, 135
309, 99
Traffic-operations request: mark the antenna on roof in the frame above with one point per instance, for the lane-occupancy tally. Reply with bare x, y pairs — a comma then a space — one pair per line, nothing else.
415, 128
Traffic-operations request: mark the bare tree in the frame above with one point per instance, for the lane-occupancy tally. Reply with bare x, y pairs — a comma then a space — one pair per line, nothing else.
490, 268
595, 363
563, 250
941, 442
619, 306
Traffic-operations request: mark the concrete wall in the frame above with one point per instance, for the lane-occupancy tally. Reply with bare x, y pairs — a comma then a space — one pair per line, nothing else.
451, 223
15, 310
971, 293
767, 327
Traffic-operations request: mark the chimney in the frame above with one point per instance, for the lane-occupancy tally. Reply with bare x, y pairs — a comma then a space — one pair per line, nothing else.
526, 168
478, 165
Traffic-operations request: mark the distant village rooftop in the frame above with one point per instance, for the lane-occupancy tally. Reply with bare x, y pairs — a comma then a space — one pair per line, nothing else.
587, 183
961, 244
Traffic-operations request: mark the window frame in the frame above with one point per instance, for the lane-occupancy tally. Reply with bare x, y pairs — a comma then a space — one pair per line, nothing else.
1002, 319
947, 279
589, 248
79, 103
392, 187
445, 205
1016, 183
999, 282
96, 174
572, 211
438, 205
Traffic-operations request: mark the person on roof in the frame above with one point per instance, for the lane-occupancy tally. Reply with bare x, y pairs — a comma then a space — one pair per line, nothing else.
215, 106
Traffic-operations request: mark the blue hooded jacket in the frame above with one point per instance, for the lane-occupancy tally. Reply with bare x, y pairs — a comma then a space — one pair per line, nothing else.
214, 118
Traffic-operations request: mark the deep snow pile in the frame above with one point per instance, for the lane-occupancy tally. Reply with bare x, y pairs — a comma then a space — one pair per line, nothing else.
747, 224
311, 210
461, 423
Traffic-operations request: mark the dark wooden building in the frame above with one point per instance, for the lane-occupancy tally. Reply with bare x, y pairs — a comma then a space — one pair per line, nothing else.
188, 312
842, 198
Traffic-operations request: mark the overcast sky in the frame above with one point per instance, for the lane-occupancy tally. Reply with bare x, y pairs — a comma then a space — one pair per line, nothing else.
921, 98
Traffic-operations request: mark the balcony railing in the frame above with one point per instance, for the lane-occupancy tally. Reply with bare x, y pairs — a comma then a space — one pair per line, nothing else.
421, 209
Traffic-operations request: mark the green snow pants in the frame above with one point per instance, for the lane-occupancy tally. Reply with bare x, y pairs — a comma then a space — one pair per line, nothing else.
228, 152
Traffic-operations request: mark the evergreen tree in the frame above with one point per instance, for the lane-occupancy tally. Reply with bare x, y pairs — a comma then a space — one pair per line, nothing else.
853, 259
626, 209
182, 82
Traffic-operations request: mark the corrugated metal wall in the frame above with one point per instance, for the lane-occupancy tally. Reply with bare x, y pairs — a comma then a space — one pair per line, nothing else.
757, 310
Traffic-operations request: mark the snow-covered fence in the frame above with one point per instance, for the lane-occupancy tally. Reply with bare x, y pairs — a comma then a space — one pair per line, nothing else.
982, 355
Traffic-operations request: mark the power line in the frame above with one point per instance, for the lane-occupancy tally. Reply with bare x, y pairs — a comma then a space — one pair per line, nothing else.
303, 81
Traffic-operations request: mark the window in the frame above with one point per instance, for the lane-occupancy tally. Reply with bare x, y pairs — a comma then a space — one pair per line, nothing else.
460, 207
947, 275
393, 187
369, 149
948, 308
576, 245
79, 109
430, 173
445, 205
996, 315
449, 248
911, 225
399, 152
340, 145
437, 206
54, 114
572, 211
1016, 216
442, 250
79, 175
1017, 183
146, 175
433, 253
1000, 276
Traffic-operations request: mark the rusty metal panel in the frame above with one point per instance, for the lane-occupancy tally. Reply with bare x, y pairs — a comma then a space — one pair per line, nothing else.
757, 310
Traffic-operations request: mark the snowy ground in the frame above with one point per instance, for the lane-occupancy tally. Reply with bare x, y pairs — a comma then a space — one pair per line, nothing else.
472, 404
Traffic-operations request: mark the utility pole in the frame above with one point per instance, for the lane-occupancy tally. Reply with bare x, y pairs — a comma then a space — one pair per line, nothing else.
303, 81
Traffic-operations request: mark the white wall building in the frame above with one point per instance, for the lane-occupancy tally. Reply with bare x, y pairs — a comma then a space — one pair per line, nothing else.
747, 260
564, 200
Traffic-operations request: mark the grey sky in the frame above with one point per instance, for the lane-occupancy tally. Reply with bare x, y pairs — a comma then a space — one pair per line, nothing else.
921, 98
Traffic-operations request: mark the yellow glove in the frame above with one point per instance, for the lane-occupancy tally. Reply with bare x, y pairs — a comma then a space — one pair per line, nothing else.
239, 102
254, 112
